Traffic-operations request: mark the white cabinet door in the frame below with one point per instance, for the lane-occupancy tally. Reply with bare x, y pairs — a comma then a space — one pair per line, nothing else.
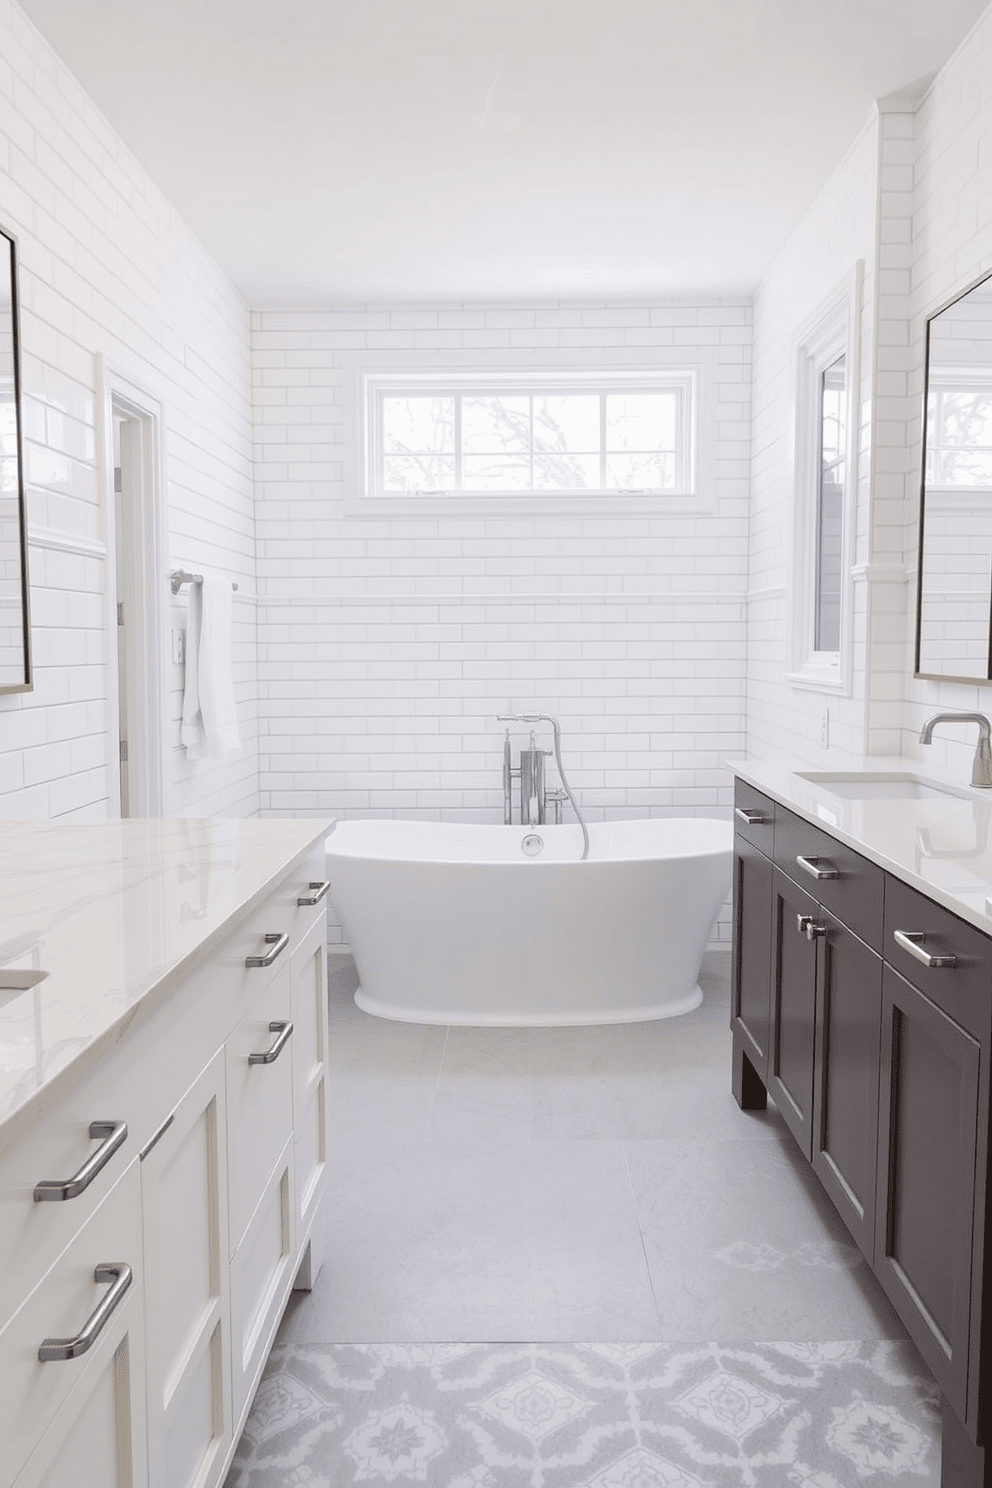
97, 1439
74, 1299
309, 971
187, 1308
261, 1278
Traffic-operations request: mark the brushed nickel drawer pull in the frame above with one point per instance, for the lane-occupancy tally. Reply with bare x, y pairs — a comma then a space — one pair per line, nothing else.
51, 1190
119, 1272
278, 944
320, 889
812, 867
285, 1032
803, 923
914, 941
750, 818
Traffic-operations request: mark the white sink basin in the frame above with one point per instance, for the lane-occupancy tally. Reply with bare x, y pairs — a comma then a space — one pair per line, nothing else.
869, 785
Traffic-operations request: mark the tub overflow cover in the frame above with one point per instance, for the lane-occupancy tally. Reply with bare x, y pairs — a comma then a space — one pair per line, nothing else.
532, 844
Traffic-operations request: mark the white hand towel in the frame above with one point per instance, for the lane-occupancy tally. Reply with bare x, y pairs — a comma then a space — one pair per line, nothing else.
210, 725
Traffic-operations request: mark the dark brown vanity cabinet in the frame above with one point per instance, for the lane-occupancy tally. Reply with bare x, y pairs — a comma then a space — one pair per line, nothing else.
866, 1011
819, 987
933, 1135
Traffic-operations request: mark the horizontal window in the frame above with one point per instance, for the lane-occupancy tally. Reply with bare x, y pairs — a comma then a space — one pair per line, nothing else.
469, 436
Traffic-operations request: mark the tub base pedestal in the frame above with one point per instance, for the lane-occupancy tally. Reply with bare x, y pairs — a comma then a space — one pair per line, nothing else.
467, 1017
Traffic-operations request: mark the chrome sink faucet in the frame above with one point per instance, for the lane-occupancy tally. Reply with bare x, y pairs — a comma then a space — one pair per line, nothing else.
981, 771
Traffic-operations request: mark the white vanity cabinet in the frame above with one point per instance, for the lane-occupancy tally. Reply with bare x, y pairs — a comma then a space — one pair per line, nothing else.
209, 1199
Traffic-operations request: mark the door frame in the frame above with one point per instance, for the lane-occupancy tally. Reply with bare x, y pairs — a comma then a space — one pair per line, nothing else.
143, 593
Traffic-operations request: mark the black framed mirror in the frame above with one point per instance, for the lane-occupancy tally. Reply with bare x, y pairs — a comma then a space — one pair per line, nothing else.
15, 629
954, 583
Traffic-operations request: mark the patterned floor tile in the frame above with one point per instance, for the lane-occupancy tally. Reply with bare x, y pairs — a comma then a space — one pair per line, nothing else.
600, 1415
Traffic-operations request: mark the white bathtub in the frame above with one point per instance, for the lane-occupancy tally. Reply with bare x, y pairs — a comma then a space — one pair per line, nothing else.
451, 923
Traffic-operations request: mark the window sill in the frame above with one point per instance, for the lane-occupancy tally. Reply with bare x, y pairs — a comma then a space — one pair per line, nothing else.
820, 679
544, 503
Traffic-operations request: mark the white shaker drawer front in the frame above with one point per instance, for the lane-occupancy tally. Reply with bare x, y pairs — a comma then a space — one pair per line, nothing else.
259, 1063
98, 1437
273, 931
261, 1278
52, 1181
95, 1281
310, 1071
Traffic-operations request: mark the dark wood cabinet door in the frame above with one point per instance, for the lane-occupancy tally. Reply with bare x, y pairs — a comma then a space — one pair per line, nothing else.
845, 1102
928, 1130
752, 970
790, 1074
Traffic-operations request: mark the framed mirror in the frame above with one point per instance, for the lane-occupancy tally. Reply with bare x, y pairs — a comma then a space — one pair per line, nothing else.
954, 596
15, 631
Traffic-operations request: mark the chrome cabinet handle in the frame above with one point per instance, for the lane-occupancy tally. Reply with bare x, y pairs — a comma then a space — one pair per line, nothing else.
320, 889
913, 941
51, 1190
812, 867
119, 1272
285, 1032
750, 818
806, 925
278, 944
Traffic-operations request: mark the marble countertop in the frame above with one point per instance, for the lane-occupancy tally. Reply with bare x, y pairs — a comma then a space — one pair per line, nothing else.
113, 912
940, 844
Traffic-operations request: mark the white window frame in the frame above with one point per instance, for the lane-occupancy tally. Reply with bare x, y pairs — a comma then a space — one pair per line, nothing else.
834, 331
373, 379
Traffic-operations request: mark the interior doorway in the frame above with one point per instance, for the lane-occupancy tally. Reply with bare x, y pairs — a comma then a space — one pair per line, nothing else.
135, 598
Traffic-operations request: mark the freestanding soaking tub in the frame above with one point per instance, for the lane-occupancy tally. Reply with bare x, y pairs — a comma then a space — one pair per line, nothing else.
504, 926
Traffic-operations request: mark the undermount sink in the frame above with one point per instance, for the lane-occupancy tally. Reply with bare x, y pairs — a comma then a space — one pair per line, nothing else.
17, 979
868, 785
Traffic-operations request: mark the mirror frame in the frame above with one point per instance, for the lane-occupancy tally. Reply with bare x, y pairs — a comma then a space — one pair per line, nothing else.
984, 278
28, 683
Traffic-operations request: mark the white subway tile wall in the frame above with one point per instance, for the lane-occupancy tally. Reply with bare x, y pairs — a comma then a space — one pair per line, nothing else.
369, 675
839, 229
106, 266
952, 247
387, 645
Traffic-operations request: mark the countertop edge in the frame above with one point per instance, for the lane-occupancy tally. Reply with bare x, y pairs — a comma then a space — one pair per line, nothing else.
755, 773
14, 1122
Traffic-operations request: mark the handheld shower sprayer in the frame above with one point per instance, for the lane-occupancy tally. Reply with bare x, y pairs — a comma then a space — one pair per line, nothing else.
556, 726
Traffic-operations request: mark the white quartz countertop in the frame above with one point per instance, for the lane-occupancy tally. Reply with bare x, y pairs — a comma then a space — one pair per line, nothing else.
115, 912
939, 844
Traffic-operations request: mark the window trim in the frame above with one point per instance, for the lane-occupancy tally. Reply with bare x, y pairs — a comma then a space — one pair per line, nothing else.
834, 331
381, 374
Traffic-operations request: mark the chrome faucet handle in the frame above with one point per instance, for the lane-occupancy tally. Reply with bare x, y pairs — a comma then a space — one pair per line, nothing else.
981, 770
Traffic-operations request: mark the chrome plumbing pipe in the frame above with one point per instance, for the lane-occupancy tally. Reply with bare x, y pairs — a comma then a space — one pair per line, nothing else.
556, 726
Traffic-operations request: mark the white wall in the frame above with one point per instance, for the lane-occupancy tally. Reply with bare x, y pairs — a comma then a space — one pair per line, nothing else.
913, 197
387, 646
839, 230
952, 247
106, 266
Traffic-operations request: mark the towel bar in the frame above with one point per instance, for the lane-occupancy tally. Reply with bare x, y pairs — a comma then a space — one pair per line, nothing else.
181, 577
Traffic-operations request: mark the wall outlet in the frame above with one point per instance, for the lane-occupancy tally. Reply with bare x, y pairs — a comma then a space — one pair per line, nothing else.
178, 647
825, 729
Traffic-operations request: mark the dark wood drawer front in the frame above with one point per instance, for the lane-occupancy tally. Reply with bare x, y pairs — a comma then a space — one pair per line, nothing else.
928, 1128
964, 990
855, 896
754, 817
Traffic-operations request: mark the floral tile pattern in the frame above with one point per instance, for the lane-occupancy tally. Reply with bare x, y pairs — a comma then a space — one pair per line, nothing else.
765, 1415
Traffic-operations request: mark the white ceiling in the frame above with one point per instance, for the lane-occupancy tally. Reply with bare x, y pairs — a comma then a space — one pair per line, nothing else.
354, 150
